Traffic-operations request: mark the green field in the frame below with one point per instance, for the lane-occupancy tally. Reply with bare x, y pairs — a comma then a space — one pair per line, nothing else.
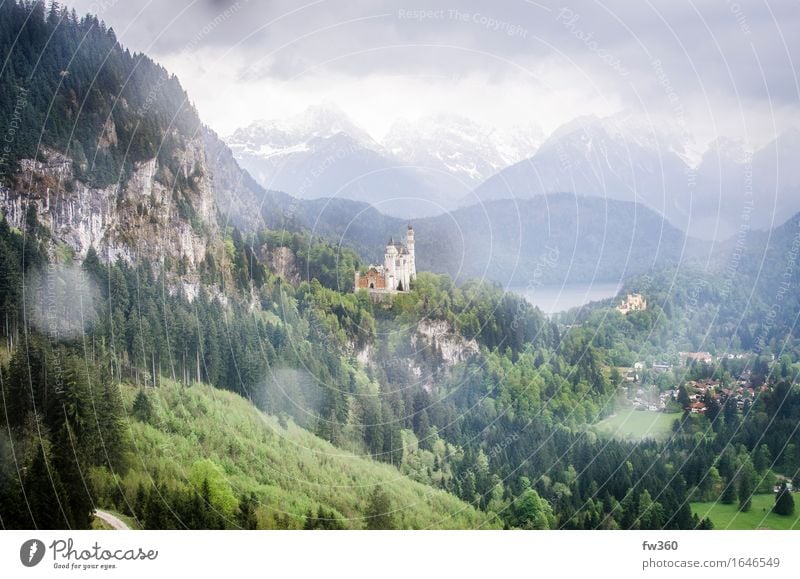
629, 424
760, 515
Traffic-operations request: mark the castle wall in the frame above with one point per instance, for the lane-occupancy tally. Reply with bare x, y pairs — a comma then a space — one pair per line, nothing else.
371, 280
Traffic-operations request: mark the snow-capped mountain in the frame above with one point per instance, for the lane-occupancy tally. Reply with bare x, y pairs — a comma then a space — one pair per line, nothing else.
599, 157
421, 168
294, 134
322, 153
460, 147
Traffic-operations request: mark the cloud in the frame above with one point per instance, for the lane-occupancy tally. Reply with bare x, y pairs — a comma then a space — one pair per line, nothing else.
709, 58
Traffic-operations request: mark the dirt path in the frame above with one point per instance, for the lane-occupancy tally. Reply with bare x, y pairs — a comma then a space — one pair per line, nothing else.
115, 522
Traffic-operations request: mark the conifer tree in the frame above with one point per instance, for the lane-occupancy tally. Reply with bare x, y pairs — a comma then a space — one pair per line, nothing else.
784, 502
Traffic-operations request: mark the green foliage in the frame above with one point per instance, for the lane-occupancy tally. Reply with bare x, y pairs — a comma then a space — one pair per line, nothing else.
530, 511
379, 513
209, 479
746, 486
323, 521
142, 409
333, 266
247, 517
784, 502
278, 474
68, 85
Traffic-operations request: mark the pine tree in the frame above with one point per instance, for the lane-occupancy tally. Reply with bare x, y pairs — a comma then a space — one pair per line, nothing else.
762, 458
747, 485
142, 409
729, 494
784, 502
379, 514
705, 524
246, 516
47, 499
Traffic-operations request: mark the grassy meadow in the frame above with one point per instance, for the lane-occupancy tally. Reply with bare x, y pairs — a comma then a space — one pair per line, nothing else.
633, 425
760, 515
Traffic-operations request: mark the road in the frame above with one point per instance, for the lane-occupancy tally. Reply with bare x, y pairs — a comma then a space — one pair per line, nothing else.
115, 522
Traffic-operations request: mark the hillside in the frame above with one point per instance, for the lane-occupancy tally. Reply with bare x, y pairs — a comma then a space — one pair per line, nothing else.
290, 471
745, 297
184, 272
102, 146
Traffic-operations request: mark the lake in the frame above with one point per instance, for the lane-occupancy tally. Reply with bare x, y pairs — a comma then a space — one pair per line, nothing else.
552, 299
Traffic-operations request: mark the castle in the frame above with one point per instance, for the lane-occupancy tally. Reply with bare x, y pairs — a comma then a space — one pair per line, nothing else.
398, 270
632, 303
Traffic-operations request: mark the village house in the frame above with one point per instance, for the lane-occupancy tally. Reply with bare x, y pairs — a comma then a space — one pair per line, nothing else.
704, 357
697, 408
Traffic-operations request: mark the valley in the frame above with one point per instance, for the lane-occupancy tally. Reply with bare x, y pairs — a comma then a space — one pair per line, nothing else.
186, 346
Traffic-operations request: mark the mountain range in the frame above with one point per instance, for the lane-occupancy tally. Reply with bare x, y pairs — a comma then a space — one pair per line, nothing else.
419, 168
729, 188
442, 162
550, 239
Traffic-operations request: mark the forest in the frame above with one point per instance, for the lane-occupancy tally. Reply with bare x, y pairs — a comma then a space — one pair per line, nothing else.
455, 405
69, 86
504, 431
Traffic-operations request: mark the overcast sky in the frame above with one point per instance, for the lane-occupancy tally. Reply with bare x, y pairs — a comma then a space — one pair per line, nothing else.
709, 67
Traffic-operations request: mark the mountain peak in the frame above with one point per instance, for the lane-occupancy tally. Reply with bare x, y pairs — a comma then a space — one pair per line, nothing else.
316, 121
724, 149
460, 146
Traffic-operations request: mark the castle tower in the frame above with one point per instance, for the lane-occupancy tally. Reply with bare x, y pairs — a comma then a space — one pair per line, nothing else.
390, 265
411, 259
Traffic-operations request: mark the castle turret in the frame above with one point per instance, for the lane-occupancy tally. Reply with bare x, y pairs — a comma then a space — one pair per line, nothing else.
411, 258
390, 264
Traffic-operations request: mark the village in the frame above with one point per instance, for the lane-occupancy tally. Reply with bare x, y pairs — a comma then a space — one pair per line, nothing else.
689, 383
692, 384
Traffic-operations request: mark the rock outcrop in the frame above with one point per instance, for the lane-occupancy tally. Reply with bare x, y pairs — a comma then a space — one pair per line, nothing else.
170, 219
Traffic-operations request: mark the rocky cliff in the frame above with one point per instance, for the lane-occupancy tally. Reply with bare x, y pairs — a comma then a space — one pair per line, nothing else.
167, 217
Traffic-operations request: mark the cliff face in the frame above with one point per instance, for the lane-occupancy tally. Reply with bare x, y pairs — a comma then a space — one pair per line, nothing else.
445, 341
433, 346
105, 145
170, 219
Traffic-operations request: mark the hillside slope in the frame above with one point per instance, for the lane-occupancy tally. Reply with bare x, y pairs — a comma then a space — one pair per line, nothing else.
290, 470
102, 145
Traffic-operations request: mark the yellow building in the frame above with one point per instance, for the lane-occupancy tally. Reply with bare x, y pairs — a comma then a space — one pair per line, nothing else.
632, 303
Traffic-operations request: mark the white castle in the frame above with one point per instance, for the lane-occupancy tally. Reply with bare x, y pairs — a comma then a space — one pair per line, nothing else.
399, 269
